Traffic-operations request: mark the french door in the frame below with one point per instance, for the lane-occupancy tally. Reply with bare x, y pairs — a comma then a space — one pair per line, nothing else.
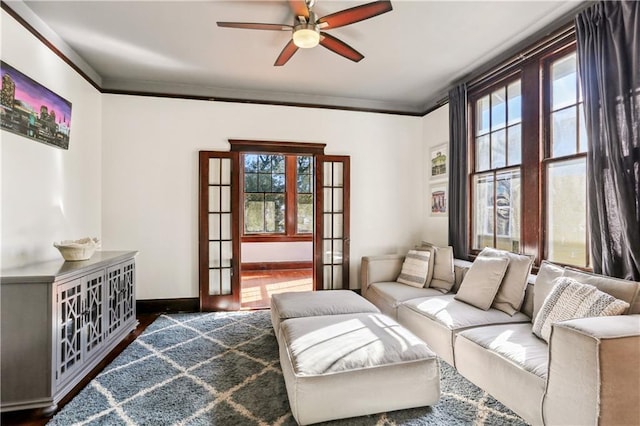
331, 239
219, 233
219, 227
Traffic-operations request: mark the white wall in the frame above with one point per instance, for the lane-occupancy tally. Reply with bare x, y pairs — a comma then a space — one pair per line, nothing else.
295, 251
435, 128
48, 194
150, 177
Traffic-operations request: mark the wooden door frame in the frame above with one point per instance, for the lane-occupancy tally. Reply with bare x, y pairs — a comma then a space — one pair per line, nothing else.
208, 302
318, 264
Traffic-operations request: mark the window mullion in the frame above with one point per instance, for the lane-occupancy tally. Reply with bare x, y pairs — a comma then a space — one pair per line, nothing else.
495, 209
290, 195
530, 167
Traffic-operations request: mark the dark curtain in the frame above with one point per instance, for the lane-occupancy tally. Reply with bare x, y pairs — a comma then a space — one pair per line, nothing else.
608, 39
458, 232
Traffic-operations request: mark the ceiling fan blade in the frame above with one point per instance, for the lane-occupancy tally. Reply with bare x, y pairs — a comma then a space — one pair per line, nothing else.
299, 8
255, 26
340, 47
286, 54
355, 14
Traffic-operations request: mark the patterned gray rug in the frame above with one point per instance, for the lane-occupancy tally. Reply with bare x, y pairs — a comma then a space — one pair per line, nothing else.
223, 369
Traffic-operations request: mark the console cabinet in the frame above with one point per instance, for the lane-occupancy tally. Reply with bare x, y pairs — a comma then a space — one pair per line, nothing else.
58, 321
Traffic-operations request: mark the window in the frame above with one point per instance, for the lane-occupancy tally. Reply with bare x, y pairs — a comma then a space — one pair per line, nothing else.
278, 194
496, 181
566, 165
528, 158
304, 194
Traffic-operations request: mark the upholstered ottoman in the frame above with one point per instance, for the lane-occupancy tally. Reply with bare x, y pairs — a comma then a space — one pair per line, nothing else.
340, 366
316, 303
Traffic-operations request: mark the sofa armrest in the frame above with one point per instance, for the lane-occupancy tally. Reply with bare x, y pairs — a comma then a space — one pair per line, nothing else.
594, 373
380, 268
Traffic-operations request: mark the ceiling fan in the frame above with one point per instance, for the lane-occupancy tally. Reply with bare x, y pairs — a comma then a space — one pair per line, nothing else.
307, 27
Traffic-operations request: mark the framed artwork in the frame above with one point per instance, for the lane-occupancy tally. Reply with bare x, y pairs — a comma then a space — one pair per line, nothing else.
31, 110
439, 161
439, 199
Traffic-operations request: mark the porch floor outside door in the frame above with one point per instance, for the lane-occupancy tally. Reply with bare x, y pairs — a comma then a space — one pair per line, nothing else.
258, 286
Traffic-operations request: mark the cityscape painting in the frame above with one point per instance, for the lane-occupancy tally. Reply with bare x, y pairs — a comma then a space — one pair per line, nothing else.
29, 109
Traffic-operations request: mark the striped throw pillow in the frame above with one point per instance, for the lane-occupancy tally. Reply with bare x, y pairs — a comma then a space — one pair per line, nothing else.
415, 268
570, 299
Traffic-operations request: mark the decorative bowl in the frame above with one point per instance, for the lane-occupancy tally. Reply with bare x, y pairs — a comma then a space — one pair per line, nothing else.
81, 249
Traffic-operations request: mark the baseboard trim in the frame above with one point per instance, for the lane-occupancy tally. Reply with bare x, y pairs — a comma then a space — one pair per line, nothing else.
270, 266
168, 306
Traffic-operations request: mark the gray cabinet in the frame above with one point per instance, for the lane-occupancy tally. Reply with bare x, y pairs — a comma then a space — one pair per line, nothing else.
58, 321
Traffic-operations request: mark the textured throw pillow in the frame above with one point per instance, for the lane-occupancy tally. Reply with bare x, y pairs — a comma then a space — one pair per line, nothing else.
414, 268
482, 281
547, 273
443, 275
622, 289
570, 299
432, 257
511, 292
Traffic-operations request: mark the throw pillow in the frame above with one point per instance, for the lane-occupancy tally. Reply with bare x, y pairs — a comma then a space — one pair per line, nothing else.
414, 268
622, 289
570, 299
443, 275
481, 283
511, 293
432, 258
547, 273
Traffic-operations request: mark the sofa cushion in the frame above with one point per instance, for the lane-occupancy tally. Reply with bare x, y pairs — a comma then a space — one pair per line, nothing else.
511, 293
298, 304
415, 268
457, 315
388, 295
500, 360
570, 299
547, 273
626, 290
443, 274
481, 283
514, 342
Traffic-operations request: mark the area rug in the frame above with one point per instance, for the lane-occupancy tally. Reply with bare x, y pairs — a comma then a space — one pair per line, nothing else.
223, 369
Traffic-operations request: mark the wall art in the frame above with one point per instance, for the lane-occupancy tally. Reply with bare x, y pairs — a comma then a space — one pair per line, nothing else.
29, 109
439, 199
439, 161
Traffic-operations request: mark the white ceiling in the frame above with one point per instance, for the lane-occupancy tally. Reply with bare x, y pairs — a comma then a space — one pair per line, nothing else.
413, 54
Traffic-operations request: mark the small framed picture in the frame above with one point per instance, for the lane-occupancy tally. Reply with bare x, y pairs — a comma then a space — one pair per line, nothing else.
439, 199
439, 161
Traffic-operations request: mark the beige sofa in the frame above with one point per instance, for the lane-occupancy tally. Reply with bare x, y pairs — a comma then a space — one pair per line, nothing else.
589, 373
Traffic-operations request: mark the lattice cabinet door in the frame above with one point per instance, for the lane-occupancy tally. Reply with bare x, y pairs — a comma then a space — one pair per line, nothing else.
69, 354
93, 312
114, 309
120, 295
127, 290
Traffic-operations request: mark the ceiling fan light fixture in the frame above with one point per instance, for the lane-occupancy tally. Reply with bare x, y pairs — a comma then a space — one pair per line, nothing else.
306, 36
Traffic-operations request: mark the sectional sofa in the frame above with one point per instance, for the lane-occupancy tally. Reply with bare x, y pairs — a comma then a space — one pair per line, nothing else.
588, 372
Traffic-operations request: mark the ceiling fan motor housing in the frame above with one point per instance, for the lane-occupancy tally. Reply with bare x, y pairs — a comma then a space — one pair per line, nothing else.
306, 33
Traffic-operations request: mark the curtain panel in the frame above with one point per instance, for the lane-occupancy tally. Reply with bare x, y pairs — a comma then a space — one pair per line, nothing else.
458, 198
608, 42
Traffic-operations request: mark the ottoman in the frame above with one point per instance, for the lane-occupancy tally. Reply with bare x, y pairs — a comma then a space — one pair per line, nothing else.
340, 366
316, 303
